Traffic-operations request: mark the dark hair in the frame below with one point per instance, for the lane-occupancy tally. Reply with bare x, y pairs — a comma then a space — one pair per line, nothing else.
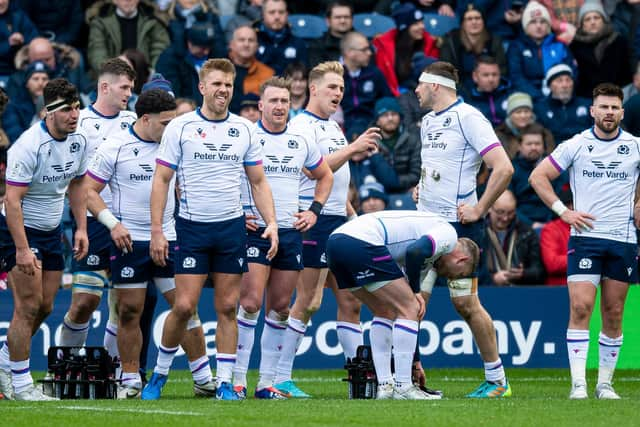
140, 66
4, 100
485, 59
608, 89
116, 67
296, 67
154, 101
443, 69
533, 129
338, 3
60, 88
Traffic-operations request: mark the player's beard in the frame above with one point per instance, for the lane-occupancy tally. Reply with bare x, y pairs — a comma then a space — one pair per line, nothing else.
609, 126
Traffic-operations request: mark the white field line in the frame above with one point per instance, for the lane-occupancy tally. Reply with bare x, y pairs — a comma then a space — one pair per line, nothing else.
110, 409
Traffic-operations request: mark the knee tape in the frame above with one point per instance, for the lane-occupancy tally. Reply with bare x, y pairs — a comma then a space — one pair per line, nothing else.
90, 282
463, 287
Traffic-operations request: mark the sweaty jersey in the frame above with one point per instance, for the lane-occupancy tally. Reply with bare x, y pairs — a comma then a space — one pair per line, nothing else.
285, 154
46, 165
329, 138
603, 176
453, 143
209, 157
398, 229
126, 163
98, 127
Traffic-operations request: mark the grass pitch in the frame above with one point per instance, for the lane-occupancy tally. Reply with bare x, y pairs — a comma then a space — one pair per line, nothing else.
539, 399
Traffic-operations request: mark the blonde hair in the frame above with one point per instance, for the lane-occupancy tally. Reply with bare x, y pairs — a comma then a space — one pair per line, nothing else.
217, 64
275, 81
323, 68
471, 249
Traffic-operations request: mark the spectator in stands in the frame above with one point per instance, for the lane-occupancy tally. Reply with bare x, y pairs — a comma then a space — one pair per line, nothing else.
299, 75
462, 47
371, 166
531, 210
519, 115
60, 21
512, 249
118, 25
633, 87
412, 112
602, 54
184, 105
247, 13
490, 90
532, 54
26, 106
185, 13
363, 84
249, 107
501, 17
16, 30
250, 72
564, 17
441, 7
63, 61
182, 69
339, 18
372, 198
138, 62
398, 49
563, 113
631, 120
399, 146
554, 241
278, 47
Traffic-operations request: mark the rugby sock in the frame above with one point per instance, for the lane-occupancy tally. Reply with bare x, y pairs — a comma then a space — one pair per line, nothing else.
165, 359
290, 343
349, 337
73, 334
4, 358
270, 347
609, 351
404, 336
494, 372
132, 379
21, 376
224, 367
201, 370
380, 336
577, 347
111, 340
246, 336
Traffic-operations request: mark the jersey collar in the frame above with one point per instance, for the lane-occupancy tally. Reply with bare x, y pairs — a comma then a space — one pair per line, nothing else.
90, 107
458, 101
603, 139
211, 120
314, 115
268, 131
133, 132
44, 127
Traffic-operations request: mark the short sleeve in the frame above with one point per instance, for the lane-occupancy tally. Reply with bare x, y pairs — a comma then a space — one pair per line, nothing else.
21, 165
102, 165
444, 239
563, 155
314, 157
84, 159
479, 133
253, 156
169, 153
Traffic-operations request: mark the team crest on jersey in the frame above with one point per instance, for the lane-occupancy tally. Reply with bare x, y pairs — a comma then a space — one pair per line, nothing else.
253, 252
189, 262
124, 125
623, 150
233, 132
585, 263
74, 147
127, 272
292, 144
447, 122
93, 259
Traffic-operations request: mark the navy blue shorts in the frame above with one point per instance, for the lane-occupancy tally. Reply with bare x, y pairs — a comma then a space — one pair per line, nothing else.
289, 256
137, 266
47, 245
356, 263
99, 248
205, 247
588, 256
314, 241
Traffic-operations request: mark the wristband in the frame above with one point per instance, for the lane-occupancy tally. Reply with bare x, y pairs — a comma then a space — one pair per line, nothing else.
316, 207
106, 218
558, 207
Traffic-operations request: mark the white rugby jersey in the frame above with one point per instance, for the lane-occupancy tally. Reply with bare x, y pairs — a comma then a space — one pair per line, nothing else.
398, 229
46, 165
329, 138
603, 176
98, 127
453, 143
126, 163
209, 157
285, 154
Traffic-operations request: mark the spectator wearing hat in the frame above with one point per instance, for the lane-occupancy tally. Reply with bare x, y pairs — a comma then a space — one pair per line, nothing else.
396, 49
363, 84
372, 198
277, 46
183, 14
502, 18
519, 115
490, 90
117, 25
26, 106
535, 51
250, 72
462, 47
554, 241
564, 18
298, 73
181, 68
339, 19
249, 107
601, 52
157, 81
563, 113
16, 30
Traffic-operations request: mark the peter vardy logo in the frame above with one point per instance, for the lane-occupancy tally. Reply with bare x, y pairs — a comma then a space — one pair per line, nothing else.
60, 168
279, 165
148, 176
214, 148
611, 165
605, 171
146, 167
274, 159
433, 141
189, 262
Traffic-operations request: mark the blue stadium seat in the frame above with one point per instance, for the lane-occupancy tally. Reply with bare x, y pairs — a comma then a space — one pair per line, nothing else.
307, 26
439, 25
401, 201
372, 24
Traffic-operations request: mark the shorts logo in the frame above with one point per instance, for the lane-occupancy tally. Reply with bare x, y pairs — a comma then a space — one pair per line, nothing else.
364, 274
298, 258
233, 132
584, 264
189, 262
253, 252
127, 272
34, 250
323, 258
93, 260
629, 270
240, 261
